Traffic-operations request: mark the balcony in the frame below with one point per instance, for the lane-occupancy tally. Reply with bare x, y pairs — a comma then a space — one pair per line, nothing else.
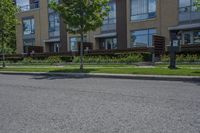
29, 7
108, 28
189, 14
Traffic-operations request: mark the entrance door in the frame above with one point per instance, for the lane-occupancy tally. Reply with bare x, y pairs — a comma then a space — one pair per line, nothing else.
187, 38
109, 43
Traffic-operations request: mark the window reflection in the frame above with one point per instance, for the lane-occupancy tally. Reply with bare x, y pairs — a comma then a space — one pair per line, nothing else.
143, 9
142, 38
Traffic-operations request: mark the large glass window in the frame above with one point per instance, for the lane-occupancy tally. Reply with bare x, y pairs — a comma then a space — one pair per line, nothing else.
109, 23
196, 37
27, 43
188, 12
28, 26
143, 9
108, 43
111, 18
54, 25
26, 5
22, 3
73, 41
142, 38
191, 37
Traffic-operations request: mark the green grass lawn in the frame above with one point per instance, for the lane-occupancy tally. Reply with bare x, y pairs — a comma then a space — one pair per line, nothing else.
185, 70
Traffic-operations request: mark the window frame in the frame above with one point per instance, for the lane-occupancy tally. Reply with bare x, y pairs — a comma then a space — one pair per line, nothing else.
147, 35
33, 26
54, 29
143, 19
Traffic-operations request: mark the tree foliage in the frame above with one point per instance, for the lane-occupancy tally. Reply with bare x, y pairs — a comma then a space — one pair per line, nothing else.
197, 3
82, 15
8, 23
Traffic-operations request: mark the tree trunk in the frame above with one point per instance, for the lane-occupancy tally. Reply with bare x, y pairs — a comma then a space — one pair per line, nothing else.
81, 53
3, 51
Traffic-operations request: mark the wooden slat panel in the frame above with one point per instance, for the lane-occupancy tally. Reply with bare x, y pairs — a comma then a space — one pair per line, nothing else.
159, 45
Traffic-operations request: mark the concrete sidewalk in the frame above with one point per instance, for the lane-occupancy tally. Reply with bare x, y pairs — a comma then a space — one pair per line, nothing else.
106, 75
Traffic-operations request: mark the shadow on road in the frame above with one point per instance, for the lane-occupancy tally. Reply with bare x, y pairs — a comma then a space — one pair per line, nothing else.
48, 76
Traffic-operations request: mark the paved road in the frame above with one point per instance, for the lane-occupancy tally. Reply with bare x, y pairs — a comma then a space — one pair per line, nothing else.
37, 104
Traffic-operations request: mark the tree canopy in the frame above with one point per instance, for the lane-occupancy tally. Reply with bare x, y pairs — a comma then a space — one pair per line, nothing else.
198, 4
82, 15
8, 22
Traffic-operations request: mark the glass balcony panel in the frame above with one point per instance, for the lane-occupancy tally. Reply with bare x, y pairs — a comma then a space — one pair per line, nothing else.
189, 14
108, 28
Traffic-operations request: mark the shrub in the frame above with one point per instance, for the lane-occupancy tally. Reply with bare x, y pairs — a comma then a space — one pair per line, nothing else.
53, 59
27, 60
128, 59
182, 58
66, 58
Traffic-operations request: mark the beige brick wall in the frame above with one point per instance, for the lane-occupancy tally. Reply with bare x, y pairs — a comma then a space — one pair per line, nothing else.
167, 15
41, 25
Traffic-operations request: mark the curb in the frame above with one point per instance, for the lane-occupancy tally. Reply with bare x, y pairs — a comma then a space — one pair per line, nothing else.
105, 75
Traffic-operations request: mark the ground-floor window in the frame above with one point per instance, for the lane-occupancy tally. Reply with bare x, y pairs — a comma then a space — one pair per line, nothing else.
142, 38
191, 37
54, 47
108, 43
27, 43
73, 41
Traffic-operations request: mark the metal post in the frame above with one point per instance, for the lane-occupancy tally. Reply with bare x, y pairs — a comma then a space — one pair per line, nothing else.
172, 58
3, 50
81, 47
81, 53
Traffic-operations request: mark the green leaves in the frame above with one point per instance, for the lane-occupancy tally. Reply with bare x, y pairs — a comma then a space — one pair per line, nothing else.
82, 15
197, 4
8, 22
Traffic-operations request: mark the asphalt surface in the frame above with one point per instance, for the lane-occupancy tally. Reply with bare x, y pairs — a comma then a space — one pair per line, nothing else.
42, 104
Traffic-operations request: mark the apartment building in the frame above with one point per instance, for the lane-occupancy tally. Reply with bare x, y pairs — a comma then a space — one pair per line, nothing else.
130, 24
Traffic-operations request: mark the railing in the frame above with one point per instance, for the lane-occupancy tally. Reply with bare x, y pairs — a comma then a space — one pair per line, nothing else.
108, 28
189, 14
29, 7
143, 16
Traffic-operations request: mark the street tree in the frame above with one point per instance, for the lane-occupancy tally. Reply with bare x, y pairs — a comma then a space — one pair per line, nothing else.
197, 3
8, 22
82, 16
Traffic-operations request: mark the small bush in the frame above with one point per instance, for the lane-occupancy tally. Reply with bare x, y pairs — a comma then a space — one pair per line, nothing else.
53, 59
27, 60
66, 58
128, 59
182, 58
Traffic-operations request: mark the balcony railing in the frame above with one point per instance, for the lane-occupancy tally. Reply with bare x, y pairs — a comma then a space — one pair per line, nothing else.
108, 28
189, 14
29, 7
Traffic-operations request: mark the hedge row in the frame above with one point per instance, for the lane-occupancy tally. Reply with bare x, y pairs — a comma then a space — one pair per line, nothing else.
114, 58
122, 58
183, 58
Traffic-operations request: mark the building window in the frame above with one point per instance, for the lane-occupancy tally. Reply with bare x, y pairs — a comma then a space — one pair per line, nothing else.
108, 43
28, 26
196, 36
188, 12
111, 18
26, 5
191, 37
143, 9
27, 43
54, 25
142, 38
109, 23
73, 41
